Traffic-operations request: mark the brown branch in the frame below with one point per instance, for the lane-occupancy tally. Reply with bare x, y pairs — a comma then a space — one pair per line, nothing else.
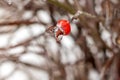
27, 22
22, 43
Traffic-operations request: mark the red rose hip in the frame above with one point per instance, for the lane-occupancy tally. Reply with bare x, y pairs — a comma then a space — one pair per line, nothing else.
64, 26
61, 28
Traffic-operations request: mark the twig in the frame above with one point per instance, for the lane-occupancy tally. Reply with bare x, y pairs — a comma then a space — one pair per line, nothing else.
23, 43
27, 22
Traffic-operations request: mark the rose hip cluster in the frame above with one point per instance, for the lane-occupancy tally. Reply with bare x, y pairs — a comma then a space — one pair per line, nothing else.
60, 29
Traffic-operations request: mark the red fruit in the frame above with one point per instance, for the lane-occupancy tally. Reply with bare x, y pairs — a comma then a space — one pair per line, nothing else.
64, 26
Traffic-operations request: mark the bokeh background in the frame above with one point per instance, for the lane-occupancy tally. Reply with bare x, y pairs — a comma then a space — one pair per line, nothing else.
90, 52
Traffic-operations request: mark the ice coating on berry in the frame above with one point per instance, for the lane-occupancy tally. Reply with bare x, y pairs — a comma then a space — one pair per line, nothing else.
64, 25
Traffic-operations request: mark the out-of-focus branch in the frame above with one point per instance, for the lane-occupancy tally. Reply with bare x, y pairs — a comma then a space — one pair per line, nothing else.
107, 66
61, 5
16, 60
27, 22
23, 43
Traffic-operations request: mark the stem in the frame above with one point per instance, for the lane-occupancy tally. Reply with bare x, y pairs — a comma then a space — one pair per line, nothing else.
62, 5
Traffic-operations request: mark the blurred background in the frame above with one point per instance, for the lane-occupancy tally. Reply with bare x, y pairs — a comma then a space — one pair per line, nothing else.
90, 52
